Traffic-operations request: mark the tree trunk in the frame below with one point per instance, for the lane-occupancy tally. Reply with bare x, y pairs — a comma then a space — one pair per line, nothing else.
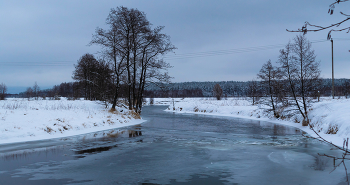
271, 95
293, 91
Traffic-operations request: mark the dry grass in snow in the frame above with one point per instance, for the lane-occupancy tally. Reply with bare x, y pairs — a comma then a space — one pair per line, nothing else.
23, 120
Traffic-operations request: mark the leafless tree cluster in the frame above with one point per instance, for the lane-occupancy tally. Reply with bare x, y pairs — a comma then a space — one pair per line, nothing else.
300, 71
29, 93
333, 27
271, 78
33, 92
94, 77
297, 78
36, 91
133, 49
341, 87
3, 90
217, 91
71, 90
344, 89
253, 91
300, 68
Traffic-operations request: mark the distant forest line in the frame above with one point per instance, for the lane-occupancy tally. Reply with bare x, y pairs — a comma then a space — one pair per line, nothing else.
76, 90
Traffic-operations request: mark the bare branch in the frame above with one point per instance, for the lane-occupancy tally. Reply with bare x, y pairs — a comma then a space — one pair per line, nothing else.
304, 28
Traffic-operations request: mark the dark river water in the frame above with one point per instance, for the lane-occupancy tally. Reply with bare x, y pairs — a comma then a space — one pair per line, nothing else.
176, 149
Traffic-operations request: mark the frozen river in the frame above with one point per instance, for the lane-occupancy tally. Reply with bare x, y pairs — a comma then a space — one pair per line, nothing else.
174, 149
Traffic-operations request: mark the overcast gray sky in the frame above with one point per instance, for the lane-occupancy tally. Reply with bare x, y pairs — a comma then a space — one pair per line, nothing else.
40, 40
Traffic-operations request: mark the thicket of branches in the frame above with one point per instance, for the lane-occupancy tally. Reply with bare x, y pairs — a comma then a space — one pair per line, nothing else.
131, 57
3, 90
295, 82
94, 77
335, 27
133, 53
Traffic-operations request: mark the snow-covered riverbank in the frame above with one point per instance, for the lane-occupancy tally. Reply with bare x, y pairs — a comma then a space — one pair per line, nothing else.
23, 120
327, 116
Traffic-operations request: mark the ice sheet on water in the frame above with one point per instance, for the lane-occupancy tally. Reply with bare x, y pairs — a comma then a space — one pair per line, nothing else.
291, 159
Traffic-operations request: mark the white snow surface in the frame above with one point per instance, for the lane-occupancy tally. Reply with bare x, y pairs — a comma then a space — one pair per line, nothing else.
23, 120
326, 115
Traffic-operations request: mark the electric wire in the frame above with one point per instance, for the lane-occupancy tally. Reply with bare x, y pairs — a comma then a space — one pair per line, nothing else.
178, 56
231, 51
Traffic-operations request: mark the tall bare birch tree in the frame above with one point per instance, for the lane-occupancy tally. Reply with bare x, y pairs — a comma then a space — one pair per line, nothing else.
307, 72
300, 68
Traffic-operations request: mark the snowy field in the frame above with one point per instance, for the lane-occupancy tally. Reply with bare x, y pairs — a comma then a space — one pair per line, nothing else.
23, 120
330, 117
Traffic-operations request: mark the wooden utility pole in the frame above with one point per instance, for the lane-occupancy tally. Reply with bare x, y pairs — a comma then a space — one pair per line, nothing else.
332, 71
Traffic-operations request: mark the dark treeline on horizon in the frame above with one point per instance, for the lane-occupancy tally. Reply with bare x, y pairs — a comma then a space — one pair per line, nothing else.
234, 88
75, 90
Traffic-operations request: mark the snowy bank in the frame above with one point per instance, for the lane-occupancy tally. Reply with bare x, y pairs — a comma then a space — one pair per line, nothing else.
330, 117
23, 120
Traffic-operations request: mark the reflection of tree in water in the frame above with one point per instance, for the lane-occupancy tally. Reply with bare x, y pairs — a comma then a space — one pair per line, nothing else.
198, 179
115, 134
136, 131
94, 150
320, 162
110, 135
88, 138
278, 130
23, 154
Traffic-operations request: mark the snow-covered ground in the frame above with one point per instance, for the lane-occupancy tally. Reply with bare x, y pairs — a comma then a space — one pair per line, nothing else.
327, 116
23, 120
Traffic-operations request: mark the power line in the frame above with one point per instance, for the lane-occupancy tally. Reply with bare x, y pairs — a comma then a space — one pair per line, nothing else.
178, 56
222, 52
231, 51
55, 63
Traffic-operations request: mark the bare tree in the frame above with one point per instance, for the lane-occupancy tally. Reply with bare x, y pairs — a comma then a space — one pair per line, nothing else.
94, 77
253, 90
120, 44
3, 90
36, 90
29, 93
346, 87
307, 73
85, 73
153, 68
333, 27
134, 49
270, 76
301, 70
289, 72
104, 90
217, 91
